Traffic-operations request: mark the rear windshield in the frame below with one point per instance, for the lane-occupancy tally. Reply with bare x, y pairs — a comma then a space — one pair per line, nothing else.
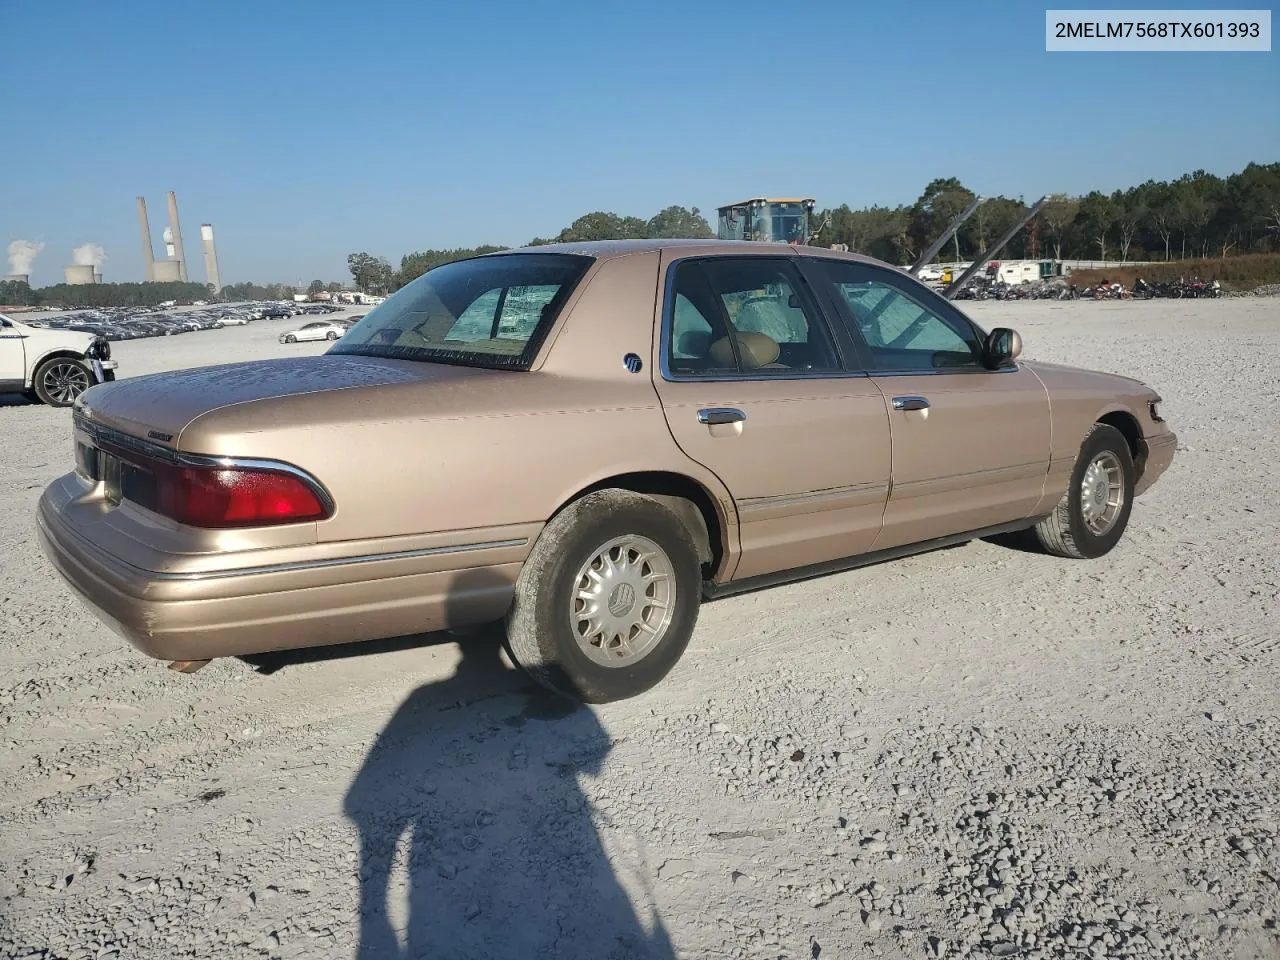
491, 311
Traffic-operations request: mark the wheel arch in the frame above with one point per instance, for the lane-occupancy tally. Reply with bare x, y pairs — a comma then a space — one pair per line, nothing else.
699, 509
55, 354
1131, 430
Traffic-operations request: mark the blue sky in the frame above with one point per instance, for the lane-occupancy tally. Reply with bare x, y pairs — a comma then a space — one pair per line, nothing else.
304, 131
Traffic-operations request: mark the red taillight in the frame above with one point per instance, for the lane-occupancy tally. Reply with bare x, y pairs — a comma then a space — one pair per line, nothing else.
214, 495
234, 497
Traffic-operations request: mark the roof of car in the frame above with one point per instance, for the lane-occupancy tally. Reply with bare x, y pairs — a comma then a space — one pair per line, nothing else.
610, 249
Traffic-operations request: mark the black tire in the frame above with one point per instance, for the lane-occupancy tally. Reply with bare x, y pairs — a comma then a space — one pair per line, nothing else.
54, 396
331, 335
540, 633
291, 339
1064, 532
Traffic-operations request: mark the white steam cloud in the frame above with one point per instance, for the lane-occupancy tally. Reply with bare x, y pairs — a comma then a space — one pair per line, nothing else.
23, 253
89, 255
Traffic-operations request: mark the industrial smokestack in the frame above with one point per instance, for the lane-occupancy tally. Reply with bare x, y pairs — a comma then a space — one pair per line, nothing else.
177, 234
148, 252
210, 257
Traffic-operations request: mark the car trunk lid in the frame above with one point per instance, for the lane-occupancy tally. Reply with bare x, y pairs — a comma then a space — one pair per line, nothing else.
158, 407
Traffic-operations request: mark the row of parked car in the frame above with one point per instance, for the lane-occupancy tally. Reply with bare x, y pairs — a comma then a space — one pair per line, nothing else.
131, 323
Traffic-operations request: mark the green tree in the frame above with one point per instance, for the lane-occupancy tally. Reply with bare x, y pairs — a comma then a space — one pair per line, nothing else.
414, 265
317, 286
371, 274
679, 222
940, 203
1058, 216
602, 225
17, 293
1128, 214
1096, 218
1161, 212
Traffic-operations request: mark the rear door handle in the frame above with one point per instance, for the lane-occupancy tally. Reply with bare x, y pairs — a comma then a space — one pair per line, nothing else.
911, 403
714, 415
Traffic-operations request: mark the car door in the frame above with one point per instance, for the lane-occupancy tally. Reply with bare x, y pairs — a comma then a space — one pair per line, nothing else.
970, 445
13, 366
754, 387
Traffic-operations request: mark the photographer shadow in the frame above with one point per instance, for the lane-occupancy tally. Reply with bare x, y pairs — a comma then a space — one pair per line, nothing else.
475, 839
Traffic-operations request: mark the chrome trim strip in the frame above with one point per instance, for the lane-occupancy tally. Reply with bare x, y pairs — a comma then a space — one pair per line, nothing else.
180, 458
816, 501
288, 567
338, 561
935, 486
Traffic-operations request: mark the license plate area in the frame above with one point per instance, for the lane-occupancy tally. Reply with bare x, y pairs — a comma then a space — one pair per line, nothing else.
121, 478
110, 468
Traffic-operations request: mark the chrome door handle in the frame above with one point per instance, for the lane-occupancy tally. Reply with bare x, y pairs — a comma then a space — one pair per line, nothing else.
714, 415
911, 403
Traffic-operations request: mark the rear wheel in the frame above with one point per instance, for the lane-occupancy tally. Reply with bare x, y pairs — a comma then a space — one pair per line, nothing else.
1091, 517
331, 335
60, 380
607, 600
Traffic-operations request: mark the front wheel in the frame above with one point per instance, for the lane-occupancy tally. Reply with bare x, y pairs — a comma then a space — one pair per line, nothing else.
291, 339
607, 601
1091, 517
59, 381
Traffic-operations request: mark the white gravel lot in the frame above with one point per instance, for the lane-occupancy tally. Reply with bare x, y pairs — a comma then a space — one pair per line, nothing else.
982, 751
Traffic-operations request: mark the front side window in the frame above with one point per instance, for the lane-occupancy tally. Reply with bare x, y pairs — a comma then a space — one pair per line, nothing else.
744, 315
491, 311
900, 330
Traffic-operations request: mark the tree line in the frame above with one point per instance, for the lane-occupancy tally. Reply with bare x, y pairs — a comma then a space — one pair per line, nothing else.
1197, 215
19, 293
376, 274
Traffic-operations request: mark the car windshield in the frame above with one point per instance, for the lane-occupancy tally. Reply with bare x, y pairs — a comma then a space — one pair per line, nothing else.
491, 311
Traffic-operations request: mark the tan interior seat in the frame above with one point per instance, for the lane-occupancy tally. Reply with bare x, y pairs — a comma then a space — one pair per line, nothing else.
758, 351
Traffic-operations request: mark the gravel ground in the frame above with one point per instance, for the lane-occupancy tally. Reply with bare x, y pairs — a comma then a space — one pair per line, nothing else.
982, 751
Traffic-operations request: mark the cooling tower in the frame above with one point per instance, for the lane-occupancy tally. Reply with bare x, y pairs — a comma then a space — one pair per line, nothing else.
168, 271
79, 273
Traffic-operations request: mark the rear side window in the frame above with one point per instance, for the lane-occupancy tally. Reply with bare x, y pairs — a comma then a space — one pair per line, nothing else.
744, 316
492, 311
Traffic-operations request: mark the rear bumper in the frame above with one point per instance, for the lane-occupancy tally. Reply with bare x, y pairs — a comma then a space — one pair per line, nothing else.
1157, 455
326, 600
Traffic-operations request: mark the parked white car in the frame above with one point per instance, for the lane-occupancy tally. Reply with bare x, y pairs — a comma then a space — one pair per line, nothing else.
319, 330
235, 320
51, 365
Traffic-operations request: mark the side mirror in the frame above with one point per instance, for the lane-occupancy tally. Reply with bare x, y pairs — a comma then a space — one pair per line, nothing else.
1001, 347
